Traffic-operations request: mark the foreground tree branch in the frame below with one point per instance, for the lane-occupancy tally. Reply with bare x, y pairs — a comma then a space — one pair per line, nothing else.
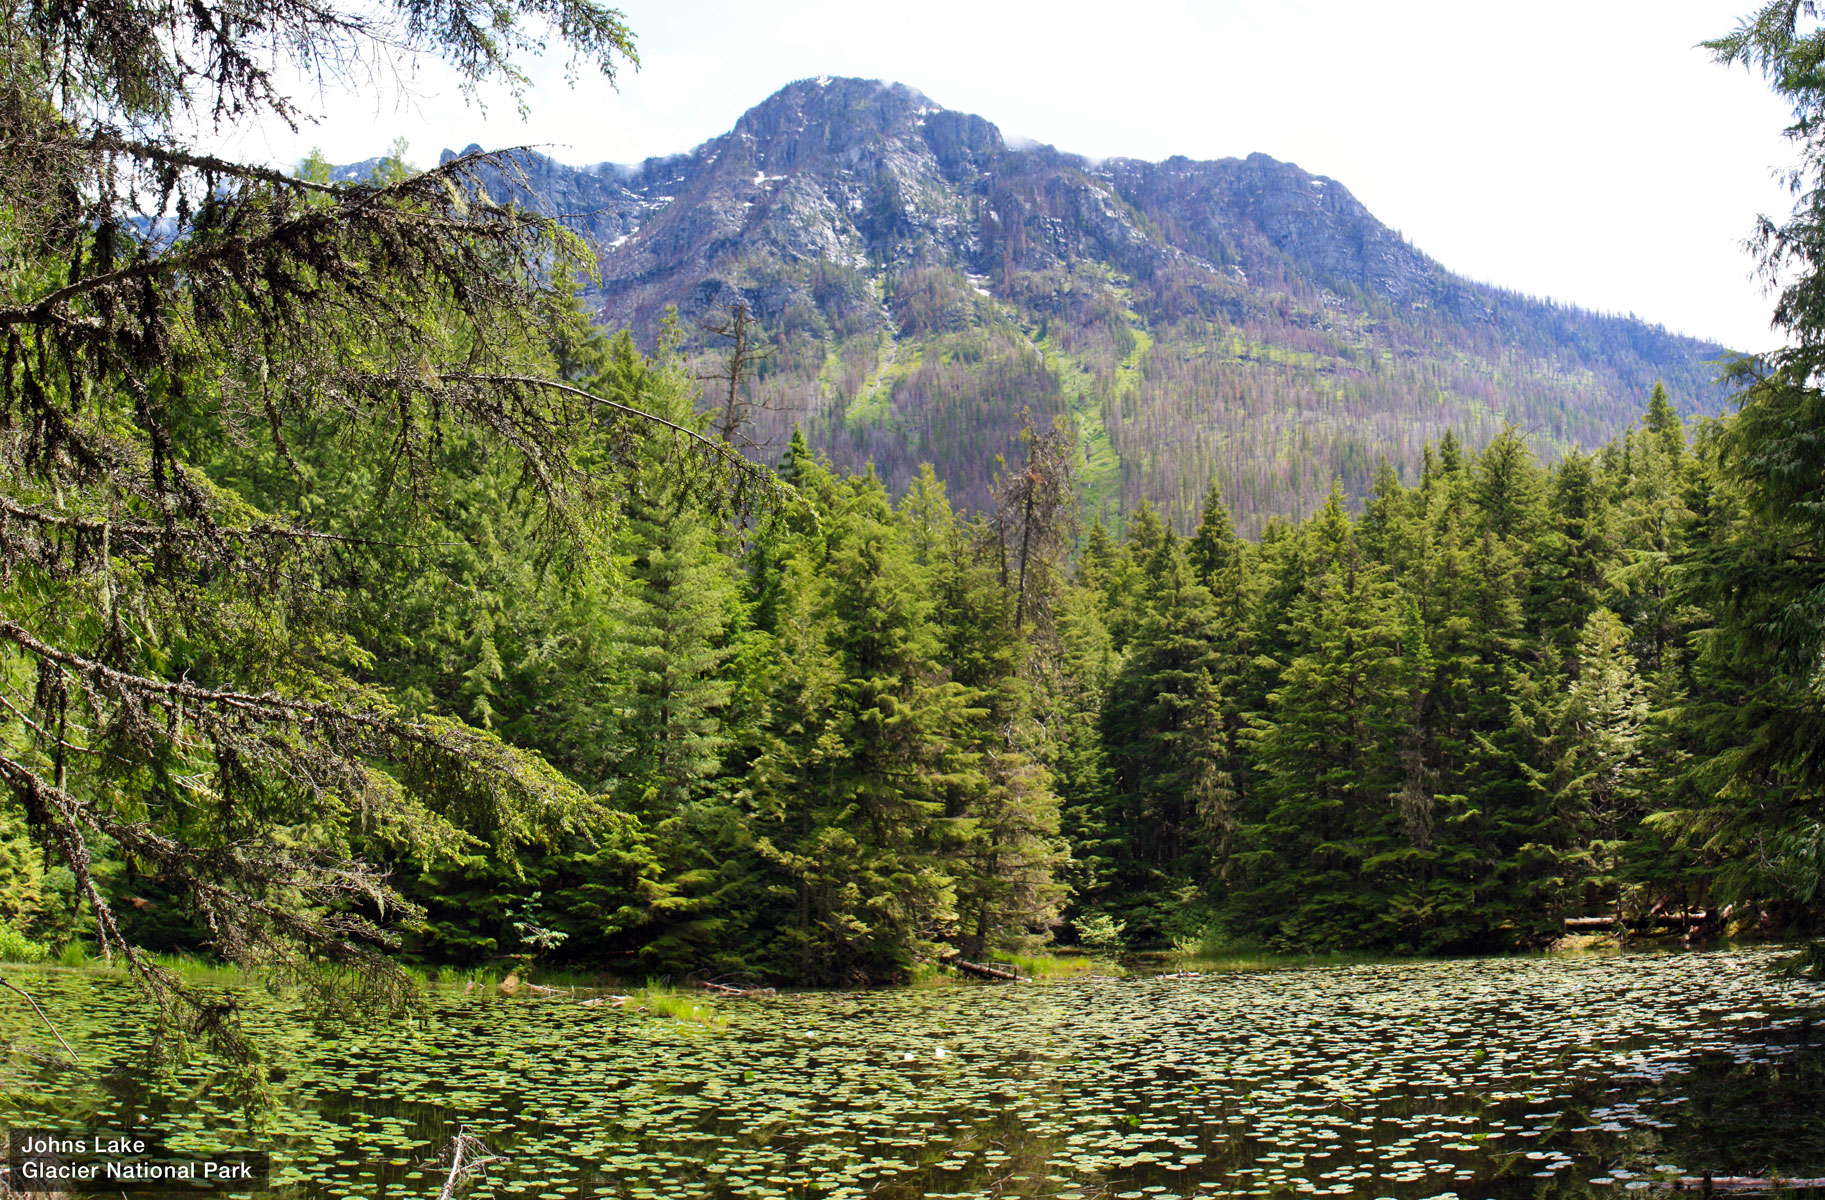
228, 399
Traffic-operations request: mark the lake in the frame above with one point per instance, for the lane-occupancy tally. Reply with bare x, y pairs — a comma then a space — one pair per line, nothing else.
1500, 1077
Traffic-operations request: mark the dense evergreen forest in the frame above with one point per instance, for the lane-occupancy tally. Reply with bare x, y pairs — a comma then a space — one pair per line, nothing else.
358, 599
863, 729
1487, 702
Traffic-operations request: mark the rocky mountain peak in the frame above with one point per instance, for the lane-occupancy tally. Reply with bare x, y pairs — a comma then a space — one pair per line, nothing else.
836, 113
1239, 320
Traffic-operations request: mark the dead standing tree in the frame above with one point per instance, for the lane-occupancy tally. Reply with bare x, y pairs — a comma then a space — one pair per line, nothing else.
743, 353
1035, 521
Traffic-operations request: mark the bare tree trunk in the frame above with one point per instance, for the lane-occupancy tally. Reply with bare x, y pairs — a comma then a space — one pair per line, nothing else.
468, 1156
1026, 549
11, 987
742, 356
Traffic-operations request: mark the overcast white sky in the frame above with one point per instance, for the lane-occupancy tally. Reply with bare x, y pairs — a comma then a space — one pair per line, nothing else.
1585, 151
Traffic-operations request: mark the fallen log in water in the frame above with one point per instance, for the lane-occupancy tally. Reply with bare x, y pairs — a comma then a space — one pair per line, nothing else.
565, 993
1646, 922
730, 992
1741, 1183
984, 971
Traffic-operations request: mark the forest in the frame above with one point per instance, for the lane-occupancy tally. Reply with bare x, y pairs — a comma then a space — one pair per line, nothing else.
361, 602
867, 730
1271, 390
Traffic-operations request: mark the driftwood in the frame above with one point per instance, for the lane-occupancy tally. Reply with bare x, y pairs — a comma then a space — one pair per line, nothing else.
730, 992
984, 971
468, 1156
1184, 975
513, 985
1696, 917
1741, 1183
11, 987
1698, 933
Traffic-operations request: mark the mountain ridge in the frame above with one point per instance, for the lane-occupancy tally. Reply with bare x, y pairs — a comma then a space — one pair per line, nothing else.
925, 282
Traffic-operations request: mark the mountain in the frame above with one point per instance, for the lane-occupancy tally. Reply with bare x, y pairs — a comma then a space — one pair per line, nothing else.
925, 281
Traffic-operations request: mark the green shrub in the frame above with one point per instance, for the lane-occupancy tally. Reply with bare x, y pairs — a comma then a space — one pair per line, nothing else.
16, 947
1099, 932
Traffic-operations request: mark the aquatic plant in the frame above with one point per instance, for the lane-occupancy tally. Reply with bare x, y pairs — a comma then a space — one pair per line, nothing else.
1404, 1079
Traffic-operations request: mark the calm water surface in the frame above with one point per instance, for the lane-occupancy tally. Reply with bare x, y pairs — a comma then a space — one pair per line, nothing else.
1589, 1076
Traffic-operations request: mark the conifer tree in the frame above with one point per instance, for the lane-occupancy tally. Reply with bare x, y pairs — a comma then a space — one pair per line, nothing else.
1328, 758
676, 626
1389, 527
1222, 784
1749, 721
674, 619
1164, 735
1080, 759
1651, 514
791, 808
1663, 422
1594, 767
999, 834
1576, 552
852, 809
1214, 552
1508, 489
